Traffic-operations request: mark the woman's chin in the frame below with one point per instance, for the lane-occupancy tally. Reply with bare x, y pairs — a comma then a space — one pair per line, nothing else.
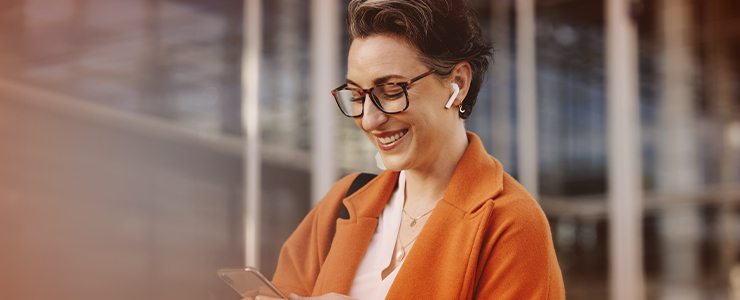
393, 163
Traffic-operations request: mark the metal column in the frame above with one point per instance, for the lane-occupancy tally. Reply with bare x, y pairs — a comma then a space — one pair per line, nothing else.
251, 57
526, 84
624, 163
325, 75
501, 100
677, 159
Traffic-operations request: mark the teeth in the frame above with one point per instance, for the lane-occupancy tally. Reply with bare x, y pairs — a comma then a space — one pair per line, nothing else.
391, 139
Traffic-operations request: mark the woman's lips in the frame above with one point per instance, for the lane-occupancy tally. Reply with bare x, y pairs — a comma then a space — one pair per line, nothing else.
390, 141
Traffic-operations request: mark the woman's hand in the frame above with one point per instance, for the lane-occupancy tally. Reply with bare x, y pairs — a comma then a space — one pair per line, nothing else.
330, 296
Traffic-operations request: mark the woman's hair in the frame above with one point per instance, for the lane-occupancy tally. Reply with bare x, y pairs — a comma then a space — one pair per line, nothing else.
445, 32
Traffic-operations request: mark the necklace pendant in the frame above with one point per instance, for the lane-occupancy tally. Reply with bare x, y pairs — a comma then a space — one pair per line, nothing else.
413, 223
400, 255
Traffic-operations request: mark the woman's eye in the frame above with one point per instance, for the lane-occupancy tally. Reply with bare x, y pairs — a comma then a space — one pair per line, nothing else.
394, 96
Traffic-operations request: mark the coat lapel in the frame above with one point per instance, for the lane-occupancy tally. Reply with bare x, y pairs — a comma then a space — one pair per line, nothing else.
443, 261
445, 255
354, 234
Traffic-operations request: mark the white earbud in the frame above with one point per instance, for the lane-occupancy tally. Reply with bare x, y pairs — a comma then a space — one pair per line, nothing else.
454, 95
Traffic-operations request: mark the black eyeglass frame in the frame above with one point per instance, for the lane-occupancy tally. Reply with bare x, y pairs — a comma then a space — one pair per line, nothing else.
364, 92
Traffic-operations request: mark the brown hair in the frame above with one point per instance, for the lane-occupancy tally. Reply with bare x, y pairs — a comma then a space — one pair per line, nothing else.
445, 32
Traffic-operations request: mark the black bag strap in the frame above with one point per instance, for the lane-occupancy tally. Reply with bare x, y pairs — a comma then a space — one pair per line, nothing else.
360, 181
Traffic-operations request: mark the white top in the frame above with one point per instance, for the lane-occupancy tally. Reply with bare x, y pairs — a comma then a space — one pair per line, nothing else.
369, 283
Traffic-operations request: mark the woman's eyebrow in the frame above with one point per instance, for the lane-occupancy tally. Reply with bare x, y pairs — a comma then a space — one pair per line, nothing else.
376, 81
385, 79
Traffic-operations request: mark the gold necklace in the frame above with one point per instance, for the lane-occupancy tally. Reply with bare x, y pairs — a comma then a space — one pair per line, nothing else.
401, 254
413, 222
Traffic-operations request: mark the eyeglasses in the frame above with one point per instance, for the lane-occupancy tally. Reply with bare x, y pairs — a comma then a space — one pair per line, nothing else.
389, 97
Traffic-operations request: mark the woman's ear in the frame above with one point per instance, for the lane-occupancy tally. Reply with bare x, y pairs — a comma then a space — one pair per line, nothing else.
461, 75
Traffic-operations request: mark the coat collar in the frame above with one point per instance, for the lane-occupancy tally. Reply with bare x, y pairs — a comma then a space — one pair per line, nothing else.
478, 177
464, 191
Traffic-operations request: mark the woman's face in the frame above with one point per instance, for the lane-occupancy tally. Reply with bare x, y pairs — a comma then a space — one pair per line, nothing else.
413, 139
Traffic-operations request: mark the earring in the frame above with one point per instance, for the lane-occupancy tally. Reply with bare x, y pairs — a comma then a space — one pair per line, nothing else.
461, 109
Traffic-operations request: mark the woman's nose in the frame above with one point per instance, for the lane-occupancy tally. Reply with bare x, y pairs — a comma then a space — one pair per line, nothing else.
372, 117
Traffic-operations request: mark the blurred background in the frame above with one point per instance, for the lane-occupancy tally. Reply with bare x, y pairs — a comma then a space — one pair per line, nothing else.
122, 141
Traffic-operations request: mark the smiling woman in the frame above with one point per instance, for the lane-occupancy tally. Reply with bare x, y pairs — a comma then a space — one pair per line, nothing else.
430, 135
444, 221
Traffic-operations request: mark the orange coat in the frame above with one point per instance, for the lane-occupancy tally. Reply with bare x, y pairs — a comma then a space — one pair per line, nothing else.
486, 239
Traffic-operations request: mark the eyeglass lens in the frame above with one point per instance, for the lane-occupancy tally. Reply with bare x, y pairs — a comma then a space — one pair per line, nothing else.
391, 98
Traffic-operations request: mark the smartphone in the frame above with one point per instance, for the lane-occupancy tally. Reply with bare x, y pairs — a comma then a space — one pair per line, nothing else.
248, 282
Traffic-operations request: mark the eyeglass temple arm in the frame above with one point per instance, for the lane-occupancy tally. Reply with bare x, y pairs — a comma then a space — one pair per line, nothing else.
420, 77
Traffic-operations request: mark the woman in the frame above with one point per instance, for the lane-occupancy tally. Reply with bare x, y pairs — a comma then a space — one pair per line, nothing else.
444, 221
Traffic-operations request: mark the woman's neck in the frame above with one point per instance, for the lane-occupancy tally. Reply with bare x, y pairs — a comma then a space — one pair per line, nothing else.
424, 187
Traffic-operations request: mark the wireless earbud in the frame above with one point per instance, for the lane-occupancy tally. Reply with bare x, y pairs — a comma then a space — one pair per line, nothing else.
454, 95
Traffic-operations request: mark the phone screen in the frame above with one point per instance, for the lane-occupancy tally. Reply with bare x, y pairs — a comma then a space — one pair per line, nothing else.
248, 282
